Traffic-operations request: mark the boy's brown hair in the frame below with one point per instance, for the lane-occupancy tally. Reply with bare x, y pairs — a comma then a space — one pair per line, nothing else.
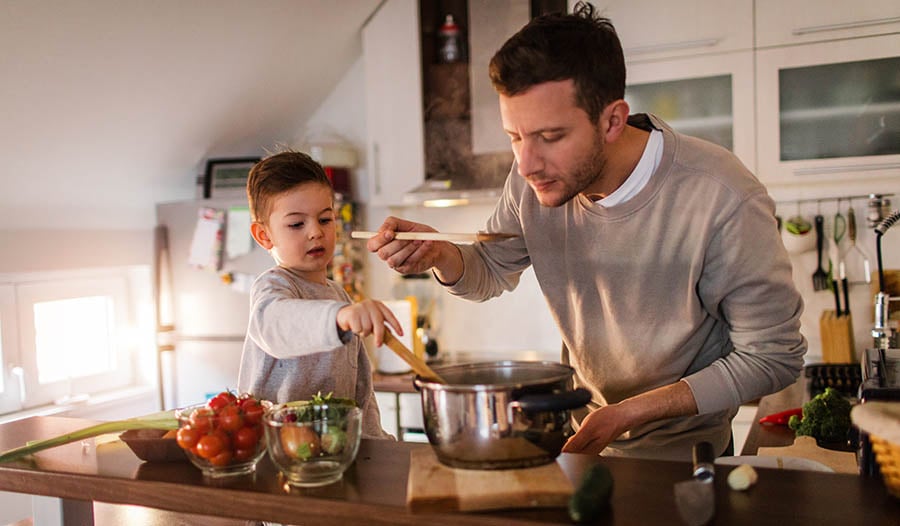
279, 173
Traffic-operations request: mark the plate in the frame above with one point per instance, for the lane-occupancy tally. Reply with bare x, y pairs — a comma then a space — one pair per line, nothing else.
797, 463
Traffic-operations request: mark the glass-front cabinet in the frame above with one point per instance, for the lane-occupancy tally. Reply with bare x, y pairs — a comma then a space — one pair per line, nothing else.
710, 97
830, 111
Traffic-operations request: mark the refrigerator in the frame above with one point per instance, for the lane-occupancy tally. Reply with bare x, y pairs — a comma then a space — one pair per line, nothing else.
204, 264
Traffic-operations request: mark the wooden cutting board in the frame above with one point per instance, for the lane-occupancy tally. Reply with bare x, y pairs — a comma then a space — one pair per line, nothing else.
806, 447
434, 487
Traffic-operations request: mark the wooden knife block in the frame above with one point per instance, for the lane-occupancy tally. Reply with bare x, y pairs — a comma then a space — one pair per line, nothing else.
837, 337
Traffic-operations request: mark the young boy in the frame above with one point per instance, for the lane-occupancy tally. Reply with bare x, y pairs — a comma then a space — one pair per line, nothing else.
305, 334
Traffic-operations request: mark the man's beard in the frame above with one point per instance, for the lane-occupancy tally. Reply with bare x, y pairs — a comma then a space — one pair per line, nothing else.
583, 176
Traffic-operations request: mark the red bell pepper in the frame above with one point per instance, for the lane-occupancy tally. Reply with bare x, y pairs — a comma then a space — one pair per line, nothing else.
781, 419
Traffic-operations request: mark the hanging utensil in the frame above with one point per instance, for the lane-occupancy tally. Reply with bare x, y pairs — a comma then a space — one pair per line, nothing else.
696, 498
840, 225
856, 261
819, 277
842, 273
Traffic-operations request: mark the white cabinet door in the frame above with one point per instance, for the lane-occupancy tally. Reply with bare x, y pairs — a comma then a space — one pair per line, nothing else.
829, 111
710, 97
780, 22
395, 141
651, 30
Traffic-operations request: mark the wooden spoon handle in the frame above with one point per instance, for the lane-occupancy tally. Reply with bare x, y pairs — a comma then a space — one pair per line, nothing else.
418, 365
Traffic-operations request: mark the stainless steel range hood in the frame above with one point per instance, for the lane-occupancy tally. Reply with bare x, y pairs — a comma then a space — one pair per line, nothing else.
440, 193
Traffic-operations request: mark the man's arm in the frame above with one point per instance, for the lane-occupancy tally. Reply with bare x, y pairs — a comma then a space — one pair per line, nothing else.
607, 423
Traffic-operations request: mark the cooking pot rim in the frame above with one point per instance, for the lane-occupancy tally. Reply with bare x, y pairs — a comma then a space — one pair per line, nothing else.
555, 372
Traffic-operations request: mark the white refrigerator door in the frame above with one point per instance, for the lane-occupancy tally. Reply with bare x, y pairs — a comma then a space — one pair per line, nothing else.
203, 305
197, 370
209, 316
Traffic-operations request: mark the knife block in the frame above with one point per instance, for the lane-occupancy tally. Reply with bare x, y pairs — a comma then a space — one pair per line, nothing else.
837, 337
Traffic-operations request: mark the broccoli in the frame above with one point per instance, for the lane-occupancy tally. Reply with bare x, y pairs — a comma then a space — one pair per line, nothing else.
826, 417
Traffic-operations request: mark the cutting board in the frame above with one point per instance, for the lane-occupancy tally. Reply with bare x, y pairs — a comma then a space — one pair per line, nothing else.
434, 487
806, 447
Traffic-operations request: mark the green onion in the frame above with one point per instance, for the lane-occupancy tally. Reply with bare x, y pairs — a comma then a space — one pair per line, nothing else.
161, 420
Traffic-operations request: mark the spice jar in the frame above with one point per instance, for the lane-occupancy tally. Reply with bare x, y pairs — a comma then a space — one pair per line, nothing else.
448, 41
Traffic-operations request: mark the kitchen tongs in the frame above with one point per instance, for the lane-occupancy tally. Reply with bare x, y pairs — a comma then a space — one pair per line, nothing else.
483, 237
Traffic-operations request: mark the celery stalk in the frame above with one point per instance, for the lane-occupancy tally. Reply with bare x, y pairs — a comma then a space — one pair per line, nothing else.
161, 420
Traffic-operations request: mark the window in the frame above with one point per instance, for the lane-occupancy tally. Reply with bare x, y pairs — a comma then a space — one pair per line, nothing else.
66, 336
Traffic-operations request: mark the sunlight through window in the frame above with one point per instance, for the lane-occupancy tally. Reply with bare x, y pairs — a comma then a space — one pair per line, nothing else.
74, 338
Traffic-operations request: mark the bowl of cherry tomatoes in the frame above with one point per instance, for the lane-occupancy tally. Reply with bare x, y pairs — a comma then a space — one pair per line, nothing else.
313, 443
224, 436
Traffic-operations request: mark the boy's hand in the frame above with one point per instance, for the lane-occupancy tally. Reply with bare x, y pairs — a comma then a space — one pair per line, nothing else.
414, 257
368, 317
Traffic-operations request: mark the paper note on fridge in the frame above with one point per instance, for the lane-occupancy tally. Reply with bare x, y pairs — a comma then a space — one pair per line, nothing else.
237, 234
206, 246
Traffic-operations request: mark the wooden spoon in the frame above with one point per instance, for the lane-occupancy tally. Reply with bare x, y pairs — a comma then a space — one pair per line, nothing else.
418, 365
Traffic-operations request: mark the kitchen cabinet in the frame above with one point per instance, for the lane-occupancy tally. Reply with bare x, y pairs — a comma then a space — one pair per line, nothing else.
829, 110
662, 29
708, 96
780, 23
423, 125
393, 91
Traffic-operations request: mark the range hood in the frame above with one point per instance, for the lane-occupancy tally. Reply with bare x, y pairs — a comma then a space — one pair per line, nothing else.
442, 193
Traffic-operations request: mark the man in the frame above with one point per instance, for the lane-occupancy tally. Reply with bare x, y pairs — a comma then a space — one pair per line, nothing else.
657, 253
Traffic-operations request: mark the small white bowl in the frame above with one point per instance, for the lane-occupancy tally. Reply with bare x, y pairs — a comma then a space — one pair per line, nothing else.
798, 243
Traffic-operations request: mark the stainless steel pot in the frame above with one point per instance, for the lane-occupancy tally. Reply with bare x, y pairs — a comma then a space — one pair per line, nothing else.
499, 415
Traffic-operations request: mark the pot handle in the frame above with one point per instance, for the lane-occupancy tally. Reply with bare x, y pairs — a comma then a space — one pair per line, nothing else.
553, 401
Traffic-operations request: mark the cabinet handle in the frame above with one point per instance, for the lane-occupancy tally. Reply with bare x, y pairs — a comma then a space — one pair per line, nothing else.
846, 168
844, 25
376, 168
671, 46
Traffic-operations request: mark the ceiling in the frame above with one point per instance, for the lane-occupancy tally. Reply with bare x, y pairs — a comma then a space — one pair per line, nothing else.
109, 107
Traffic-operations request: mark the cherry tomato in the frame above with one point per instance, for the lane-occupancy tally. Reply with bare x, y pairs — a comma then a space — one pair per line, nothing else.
187, 437
202, 420
222, 459
217, 402
209, 446
253, 412
244, 454
245, 438
230, 418
223, 436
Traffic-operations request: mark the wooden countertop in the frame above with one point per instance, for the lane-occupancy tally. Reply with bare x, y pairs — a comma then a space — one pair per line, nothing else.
373, 490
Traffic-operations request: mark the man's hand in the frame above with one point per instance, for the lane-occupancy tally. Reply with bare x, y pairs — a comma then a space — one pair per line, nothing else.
368, 317
602, 426
414, 257
598, 429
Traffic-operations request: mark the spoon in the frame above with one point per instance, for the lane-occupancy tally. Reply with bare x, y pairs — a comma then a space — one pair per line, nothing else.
418, 365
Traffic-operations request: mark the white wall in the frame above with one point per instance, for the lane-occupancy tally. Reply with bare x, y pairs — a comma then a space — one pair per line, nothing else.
110, 107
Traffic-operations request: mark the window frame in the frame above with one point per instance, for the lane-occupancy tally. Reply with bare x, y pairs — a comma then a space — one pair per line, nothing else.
10, 384
28, 289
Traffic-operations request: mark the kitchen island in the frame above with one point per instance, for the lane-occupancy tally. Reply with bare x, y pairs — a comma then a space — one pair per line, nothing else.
373, 490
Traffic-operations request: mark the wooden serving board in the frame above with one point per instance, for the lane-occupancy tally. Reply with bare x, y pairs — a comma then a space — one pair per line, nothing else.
434, 487
806, 447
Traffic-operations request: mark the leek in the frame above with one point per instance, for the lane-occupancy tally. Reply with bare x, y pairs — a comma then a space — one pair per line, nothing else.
160, 420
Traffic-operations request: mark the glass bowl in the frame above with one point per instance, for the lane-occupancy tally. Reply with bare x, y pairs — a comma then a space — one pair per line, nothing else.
313, 444
223, 447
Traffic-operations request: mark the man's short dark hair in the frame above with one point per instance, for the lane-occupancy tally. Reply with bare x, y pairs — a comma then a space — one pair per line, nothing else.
581, 46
